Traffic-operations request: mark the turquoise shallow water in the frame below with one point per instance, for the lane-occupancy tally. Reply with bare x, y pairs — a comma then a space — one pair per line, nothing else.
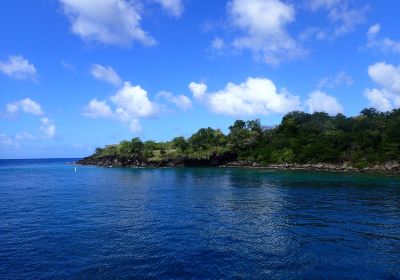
106, 223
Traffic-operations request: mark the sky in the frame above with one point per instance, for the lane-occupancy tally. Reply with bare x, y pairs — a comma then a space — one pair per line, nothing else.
80, 74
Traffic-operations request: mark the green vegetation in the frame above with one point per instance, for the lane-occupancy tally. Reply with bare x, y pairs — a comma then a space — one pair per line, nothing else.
370, 138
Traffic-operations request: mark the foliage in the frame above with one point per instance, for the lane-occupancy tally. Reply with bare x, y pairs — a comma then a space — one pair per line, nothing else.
369, 138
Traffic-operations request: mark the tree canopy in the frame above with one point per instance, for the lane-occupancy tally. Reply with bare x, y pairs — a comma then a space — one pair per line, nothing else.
369, 138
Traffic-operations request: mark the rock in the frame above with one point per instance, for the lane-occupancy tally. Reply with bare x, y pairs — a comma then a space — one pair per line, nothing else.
392, 165
319, 166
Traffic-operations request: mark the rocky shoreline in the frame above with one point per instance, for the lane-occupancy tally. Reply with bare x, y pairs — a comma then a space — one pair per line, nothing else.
229, 161
388, 167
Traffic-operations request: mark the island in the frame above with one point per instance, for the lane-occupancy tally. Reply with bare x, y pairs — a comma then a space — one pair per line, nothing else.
368, 142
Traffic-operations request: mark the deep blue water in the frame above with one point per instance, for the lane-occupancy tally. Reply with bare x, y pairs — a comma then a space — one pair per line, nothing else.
108, 223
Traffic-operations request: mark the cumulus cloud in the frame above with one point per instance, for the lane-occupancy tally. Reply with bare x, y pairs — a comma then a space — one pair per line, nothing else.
116, 22
17, 67
97, 109
133, 101
173, 7
106, 74
198, 89
25, 105
131, 104
381, 99
343, 18
181, 101
255, 96
48, 128
319, 101
386, 76
381, 44
263, 25
340, 79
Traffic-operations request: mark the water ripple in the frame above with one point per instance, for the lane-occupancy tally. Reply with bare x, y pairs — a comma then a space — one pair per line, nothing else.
101, 223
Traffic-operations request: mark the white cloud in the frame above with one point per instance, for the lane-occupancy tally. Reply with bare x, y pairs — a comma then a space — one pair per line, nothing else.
198, 89
106, 74
319, 101
173, 7
373, 30
344, 19
115, 22
340, 79
382, 44
48, 128
181, 101
97, 109
28, 106
256, 96
25, 105
131, 104
133, 101
380, 99
263, 24
18, 67
387, 76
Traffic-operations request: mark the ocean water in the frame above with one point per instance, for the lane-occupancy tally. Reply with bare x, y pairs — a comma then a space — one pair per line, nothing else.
204, 223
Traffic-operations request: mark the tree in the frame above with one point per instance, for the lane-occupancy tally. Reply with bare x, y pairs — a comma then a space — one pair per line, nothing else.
136, 147
244, 134
205, 138
180, 143
367, 139
124, 148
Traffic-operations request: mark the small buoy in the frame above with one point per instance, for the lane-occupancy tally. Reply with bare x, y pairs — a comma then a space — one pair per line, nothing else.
75, 169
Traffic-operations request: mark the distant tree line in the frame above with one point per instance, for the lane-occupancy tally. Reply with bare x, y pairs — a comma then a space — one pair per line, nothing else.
371, 137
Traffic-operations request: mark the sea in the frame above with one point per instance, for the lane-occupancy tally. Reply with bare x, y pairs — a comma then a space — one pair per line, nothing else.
64, 221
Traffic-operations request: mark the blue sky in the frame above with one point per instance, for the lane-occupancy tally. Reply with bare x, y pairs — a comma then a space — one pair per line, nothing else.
78, 74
